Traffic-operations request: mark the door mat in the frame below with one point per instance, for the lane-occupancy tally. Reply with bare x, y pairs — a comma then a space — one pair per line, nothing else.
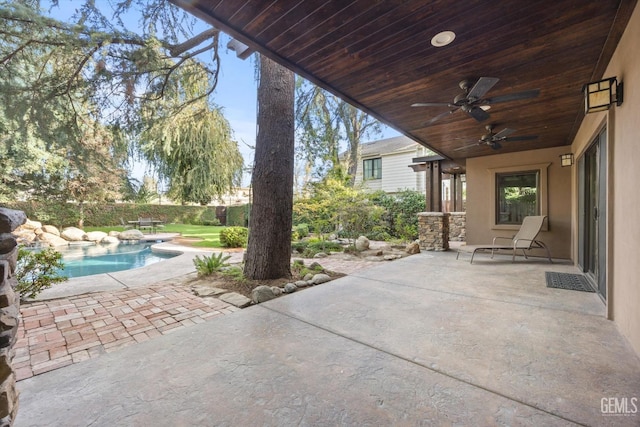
573, 282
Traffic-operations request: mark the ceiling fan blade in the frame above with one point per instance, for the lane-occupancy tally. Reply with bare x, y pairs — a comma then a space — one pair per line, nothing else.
482, 86
478, 113
465, 147
440, 116
503, 133
521, 138
431, 104
496, 145
514, 96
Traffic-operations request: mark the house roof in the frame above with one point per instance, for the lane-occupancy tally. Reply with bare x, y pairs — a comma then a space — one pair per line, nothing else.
387, 146
378, 56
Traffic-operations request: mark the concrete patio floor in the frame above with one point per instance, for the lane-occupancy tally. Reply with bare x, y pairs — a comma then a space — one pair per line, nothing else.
425, 340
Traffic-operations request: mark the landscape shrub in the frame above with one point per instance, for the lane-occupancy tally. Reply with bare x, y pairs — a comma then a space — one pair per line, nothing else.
63, 214
210, 264
299, 246
308, 249
401, 216
302, 230
234, 237
238, 216
37, 271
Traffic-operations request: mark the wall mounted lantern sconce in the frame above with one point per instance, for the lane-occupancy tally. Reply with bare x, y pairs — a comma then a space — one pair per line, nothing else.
566, 159
598, 96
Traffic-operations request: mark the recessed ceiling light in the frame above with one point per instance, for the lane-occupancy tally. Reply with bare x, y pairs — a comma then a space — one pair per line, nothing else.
443, 38
485, 107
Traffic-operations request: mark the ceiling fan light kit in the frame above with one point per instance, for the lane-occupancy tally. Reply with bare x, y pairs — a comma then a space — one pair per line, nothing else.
494, 140
472, 100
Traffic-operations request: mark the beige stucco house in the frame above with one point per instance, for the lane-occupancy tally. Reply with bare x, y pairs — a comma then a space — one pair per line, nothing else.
594, 204
390, 57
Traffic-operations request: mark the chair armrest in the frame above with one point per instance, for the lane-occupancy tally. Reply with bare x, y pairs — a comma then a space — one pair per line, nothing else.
501, 237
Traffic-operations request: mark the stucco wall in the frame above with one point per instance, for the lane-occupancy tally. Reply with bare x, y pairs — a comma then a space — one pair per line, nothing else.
481, 190
623, 124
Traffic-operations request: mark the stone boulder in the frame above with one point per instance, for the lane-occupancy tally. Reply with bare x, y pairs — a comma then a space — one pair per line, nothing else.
73, 234
320, 278
315, 266
7, 243
413, 248
24, 237
276, 290
52, 240
114, 233
10, 219
362, 243
95, 236
132, 234
262, 293
31, 225
290, 288
110, 240
51, 229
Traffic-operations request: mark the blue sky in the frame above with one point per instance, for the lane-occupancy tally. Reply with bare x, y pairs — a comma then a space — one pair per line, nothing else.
236, 92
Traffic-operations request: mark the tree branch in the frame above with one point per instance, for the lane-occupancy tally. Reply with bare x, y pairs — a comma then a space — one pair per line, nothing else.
179, 49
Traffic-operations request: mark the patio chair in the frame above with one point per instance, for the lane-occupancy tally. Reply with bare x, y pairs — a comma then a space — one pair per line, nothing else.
146, 223
524, 240
125, 225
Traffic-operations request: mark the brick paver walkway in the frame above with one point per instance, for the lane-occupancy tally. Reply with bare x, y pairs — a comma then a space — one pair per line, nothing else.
57, 333
60, 332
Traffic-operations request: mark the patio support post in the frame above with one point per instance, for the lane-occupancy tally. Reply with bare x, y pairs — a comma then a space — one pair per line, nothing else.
433, 231
433, 187
9, 312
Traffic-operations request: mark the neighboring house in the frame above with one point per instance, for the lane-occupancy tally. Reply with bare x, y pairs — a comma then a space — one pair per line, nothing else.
384, 165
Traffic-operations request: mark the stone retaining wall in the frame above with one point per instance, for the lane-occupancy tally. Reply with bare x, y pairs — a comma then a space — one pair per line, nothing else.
458, 226
9, 313
433, 231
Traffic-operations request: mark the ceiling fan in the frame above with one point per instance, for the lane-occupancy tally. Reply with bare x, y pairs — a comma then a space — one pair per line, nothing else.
493, 139
472, 101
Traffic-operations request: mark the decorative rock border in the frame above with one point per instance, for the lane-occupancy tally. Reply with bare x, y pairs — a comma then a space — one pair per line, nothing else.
34, 232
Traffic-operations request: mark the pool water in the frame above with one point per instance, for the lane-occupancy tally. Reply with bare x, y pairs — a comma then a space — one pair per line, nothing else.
95, 259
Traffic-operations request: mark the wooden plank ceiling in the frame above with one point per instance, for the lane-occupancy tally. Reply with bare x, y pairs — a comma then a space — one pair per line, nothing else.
378, 56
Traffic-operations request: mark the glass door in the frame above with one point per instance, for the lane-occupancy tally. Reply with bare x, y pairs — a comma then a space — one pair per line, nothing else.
593, 215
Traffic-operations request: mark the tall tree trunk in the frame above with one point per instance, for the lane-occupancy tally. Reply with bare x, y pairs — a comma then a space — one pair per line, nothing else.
353, 125
269, 247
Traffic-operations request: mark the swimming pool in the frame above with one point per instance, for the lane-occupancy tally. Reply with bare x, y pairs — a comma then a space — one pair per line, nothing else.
95, 259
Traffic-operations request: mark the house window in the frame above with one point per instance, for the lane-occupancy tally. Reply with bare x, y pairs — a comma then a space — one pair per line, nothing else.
517, 196
372, 169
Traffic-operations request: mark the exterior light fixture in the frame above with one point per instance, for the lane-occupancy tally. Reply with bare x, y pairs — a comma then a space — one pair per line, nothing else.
443, 38
566, 159
598, 96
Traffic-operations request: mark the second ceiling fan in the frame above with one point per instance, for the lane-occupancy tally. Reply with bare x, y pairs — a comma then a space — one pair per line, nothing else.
472, 100
493, 139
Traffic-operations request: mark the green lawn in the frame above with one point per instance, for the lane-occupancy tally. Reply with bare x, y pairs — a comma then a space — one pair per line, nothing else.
209, 234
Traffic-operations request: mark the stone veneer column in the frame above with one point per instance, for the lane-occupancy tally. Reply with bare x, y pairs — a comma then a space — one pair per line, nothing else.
433, 231
9, 312
457, 226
